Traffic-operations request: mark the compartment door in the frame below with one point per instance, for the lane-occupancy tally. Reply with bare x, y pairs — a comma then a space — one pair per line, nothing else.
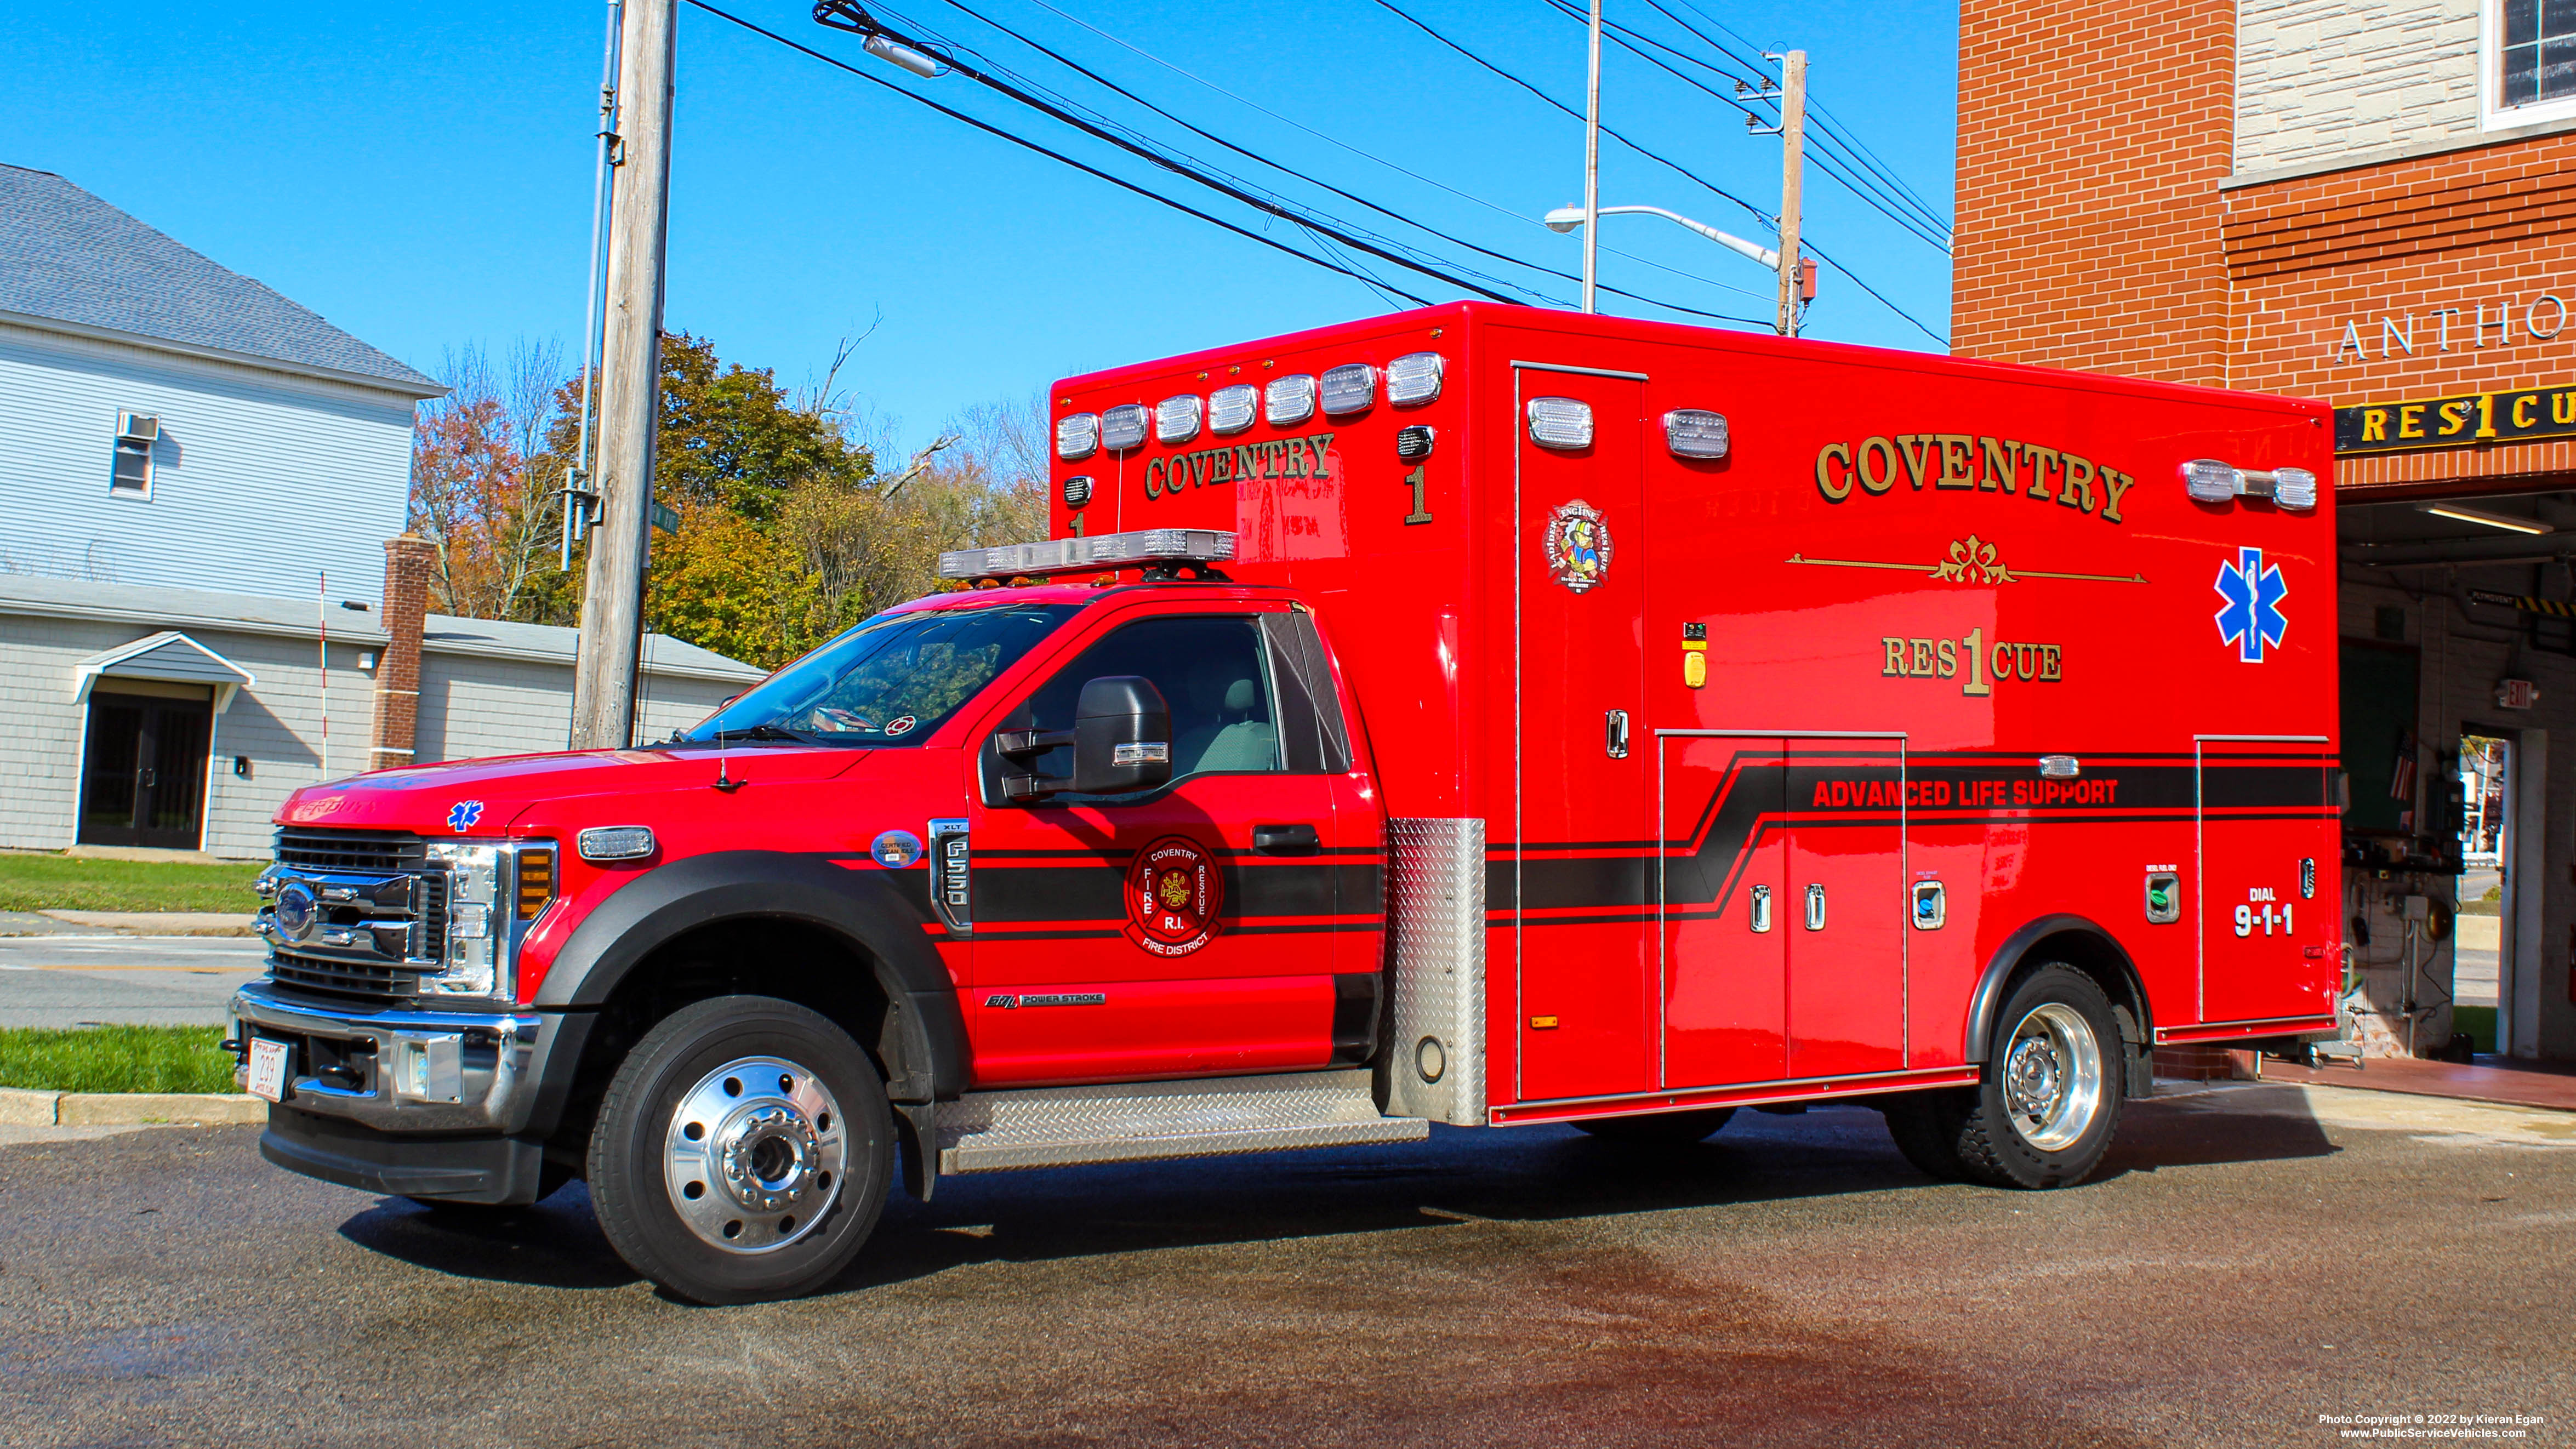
1724, 889
2268, 837
1845, 915
1581, 854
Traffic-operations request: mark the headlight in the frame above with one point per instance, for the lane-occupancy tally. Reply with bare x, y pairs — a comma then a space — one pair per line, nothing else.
494, 893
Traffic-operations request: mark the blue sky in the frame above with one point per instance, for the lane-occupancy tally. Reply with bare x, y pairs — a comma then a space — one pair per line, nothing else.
422, 175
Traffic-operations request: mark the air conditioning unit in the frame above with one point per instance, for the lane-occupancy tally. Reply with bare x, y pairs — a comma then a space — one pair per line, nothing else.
139, 427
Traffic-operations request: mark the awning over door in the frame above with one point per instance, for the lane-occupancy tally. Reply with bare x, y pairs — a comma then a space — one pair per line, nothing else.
169, 657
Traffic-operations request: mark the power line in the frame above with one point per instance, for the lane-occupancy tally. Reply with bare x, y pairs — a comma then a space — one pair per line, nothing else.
1051, 154
1668, 163
1397, 216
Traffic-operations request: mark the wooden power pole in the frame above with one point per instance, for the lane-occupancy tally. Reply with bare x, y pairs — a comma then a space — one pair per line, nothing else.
1793, 167
612, 606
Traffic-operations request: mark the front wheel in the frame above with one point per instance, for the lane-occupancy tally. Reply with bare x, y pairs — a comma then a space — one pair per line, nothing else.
2050, 1101
743, 1151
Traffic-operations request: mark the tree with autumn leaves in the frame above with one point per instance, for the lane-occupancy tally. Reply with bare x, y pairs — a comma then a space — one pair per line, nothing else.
789, 531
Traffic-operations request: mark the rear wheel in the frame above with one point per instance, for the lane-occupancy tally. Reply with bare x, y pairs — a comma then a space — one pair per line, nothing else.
742, 1152
1664, 1129
2050, 1101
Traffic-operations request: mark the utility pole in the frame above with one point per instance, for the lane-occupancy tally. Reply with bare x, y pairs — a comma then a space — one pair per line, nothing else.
578, 496
612, 608
1793, 167
1592, 162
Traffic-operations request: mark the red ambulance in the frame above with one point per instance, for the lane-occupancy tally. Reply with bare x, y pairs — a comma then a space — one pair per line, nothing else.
1474, 715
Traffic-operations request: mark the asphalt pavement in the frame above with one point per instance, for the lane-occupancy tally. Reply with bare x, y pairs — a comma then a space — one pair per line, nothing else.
99, 980
2252, 1258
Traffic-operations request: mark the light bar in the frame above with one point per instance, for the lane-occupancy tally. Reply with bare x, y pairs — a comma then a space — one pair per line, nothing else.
2504, 521
1414, 379
2208, 480
1349, 389
1089, 555
1176, 419
2294, 488
1077, 437
1560, 422
1122, 427
1695, 433
1232, 409
1289, 399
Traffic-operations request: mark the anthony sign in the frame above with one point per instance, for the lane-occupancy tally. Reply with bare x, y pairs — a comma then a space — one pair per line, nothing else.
2453, 422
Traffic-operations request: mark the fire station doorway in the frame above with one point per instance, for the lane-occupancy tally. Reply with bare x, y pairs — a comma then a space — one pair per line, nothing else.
1582, 815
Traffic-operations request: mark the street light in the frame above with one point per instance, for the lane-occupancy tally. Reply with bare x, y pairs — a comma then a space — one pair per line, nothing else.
1567, 218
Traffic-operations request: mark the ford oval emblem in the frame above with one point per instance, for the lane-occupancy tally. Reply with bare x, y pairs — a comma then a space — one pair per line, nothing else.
296, 915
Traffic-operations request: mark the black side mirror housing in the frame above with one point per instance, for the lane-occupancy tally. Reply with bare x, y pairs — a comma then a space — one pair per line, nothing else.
1122, 737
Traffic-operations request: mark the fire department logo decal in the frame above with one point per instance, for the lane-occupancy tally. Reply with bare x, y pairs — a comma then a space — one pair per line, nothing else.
1174, 890
1577, 545
2252, 619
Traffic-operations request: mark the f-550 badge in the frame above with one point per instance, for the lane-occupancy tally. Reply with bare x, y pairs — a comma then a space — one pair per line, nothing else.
1577, 545
1174, 890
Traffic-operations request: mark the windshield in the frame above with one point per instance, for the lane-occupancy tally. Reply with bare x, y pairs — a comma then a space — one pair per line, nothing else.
891, 681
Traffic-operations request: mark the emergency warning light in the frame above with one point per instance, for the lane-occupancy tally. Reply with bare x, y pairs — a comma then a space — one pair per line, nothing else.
1143, 548
1289, 399
1176, 420
1414, 379
1123, 427
1695, 433
1349, 389
2208, 480
1077, 437
1560, 422
1232, 409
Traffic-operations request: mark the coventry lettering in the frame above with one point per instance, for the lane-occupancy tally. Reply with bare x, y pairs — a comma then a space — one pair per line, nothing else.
1970, 462
1306, 457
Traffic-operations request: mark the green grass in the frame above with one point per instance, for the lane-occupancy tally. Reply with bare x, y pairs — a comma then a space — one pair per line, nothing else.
115, 1059
62, 883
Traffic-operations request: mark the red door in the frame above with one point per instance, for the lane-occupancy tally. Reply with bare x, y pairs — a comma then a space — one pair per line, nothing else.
1845, 915
1725, 884
2267, 839
1189, 931
1583, 854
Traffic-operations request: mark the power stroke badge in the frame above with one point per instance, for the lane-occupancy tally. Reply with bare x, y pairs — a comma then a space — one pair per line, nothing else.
1174, 890
1577, 545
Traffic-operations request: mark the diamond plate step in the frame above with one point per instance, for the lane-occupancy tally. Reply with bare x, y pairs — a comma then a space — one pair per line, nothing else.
1138, 1121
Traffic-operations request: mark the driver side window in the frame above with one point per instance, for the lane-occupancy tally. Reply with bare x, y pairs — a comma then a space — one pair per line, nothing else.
1214, 674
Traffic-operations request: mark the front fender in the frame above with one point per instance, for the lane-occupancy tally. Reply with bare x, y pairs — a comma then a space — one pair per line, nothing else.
1989, 997
863, 908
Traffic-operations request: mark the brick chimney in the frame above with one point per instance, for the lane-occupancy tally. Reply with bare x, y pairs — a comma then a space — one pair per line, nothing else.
407, 562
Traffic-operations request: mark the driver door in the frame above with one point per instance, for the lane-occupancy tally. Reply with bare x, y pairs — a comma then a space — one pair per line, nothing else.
1184, 931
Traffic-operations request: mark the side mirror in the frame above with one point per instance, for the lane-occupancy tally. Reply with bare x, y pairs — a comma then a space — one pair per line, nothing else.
1122, 737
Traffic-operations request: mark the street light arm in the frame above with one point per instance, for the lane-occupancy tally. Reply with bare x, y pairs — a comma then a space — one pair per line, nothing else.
1567, 218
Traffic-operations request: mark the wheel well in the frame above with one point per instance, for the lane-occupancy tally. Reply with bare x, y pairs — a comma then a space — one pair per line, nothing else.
792, 960
2095, 956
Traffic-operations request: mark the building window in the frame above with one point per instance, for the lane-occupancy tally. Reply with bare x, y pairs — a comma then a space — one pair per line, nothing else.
2529, 49
135, 435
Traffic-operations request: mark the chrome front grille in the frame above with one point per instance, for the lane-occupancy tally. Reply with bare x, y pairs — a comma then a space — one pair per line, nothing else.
368, 852
378, 912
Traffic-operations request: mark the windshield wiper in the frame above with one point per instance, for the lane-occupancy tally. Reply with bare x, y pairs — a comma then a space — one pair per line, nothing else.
753, 733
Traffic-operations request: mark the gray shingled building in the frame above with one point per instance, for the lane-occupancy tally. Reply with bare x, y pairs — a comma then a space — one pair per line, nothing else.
198, 478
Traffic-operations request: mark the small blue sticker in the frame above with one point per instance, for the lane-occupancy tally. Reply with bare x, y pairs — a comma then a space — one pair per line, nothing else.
896, 849
462, 815
2253, 618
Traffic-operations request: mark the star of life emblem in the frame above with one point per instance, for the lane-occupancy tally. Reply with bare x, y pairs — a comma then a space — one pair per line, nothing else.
2252, 619
1577, 545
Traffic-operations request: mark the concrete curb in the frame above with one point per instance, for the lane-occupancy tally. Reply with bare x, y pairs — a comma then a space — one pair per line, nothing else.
20, 1108
158, 923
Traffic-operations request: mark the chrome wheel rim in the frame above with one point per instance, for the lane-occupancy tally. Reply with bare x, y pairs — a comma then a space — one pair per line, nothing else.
753, 1154
2052, 1077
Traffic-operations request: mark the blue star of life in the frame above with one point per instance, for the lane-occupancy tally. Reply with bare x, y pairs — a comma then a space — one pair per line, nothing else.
2252, 619
462, 815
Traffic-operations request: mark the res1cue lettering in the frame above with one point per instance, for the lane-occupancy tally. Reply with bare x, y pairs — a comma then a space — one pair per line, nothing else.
1971, 462
1976, 664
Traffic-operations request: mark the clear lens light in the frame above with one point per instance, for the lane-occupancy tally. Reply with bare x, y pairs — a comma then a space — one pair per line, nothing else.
1560, 422
1122, 427
1176, 419
1694, 433
2209, 481
471, 964
1232, 409
2294, 488
616, 842
1288, 399
1349, 389
1414, 379
1077, 437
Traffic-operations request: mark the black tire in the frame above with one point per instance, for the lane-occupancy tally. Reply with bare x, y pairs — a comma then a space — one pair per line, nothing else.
1660, 1129
2045, 1112
808, 1227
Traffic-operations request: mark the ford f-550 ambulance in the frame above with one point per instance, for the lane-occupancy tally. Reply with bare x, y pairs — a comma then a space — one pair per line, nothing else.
1473, 715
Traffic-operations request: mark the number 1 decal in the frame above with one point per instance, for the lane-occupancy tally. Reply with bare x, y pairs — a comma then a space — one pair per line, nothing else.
1421, 510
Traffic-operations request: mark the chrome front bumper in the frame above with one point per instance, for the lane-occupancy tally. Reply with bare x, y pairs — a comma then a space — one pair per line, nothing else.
431, 1071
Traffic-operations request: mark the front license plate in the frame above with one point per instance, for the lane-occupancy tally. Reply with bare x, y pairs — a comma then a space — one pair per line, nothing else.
268, 1070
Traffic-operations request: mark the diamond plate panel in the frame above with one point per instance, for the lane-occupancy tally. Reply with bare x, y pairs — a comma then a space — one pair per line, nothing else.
1436, 913
1133, 1121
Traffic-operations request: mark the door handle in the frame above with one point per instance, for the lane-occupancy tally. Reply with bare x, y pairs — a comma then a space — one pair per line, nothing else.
1615, 733
1285, 840
1815, 908
1761, 908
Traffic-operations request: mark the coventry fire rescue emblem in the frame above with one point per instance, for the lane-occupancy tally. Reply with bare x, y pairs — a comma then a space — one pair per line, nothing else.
1577, 545
1174, 889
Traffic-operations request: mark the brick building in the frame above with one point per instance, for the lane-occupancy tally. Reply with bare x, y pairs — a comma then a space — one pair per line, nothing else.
2365, 201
